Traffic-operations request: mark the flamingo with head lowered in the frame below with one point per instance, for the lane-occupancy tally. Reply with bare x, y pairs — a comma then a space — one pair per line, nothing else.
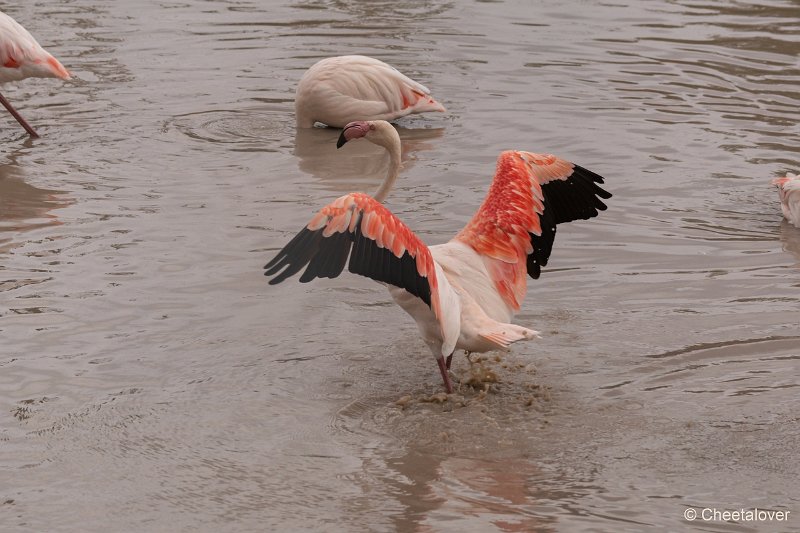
464, 293
789, 194
336, 90
21, 57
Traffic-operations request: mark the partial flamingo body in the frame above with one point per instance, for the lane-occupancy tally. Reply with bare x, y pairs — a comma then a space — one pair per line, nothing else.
337, 90
789, 193
464, 293
22, 57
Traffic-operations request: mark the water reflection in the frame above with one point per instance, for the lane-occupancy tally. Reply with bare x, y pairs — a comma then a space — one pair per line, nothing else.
418, 472
358, 166
501, 495
24, 207
790, 240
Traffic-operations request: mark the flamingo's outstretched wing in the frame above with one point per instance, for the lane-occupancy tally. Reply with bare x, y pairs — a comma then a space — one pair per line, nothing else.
379, 246
570, 192
516, 223
338, 90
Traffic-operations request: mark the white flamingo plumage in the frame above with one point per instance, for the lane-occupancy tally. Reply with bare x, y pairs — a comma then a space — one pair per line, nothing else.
463, 293
22, 57
789, 193
337, 90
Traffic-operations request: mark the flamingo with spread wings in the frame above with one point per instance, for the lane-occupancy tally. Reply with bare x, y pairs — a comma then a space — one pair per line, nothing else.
464, 293
336, 90
22, 57
789, 194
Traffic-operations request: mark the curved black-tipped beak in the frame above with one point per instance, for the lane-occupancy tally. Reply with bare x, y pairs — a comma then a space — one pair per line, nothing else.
353, 130
342, 140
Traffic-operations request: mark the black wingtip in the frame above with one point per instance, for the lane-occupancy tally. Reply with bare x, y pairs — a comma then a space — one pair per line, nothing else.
597, 178
341, 140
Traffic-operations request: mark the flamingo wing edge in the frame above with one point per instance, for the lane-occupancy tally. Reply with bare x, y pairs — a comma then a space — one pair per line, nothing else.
359, 232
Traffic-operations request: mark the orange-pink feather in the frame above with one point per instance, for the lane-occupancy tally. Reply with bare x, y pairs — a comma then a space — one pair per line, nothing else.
380, 225
500, 229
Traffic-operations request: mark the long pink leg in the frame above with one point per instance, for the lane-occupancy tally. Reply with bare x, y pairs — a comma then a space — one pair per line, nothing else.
22, 121
449, 360
445, 377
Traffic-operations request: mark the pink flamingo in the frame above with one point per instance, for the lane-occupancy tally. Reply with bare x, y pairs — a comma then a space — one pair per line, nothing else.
21, 57
337, 90
789, 193
462, 294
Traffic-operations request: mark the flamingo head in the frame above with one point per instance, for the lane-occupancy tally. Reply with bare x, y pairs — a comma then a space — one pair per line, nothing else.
377, 132
354, 130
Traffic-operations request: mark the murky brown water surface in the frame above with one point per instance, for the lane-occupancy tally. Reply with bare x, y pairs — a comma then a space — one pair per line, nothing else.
150, 380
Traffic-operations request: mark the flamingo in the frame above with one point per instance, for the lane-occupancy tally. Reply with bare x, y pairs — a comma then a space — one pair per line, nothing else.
339, 89
789, 193
462, 294
22, 57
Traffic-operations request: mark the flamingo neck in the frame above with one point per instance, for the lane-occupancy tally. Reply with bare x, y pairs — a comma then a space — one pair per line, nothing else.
394, 169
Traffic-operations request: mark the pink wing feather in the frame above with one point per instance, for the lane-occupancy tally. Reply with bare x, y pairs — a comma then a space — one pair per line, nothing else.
515, 225
379, 246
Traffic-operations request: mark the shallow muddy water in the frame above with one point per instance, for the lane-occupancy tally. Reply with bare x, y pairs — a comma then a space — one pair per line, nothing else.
151, 380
